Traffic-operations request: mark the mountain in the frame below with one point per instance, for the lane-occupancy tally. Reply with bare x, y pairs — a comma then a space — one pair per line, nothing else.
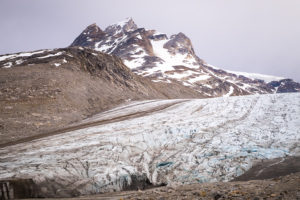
45, 90
173, 59
77, 120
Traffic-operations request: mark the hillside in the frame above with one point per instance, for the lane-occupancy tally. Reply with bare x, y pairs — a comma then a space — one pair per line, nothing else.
46, 90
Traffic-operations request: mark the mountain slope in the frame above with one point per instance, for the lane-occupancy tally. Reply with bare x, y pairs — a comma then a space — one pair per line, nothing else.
46, 90
191, 141
172, 59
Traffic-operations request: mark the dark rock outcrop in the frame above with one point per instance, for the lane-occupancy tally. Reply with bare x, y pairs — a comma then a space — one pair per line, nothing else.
89, 36
179, 43
285, 85
18, 189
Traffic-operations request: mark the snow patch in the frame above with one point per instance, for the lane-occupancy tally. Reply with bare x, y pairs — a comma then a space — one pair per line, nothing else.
18, 62
182, 74
51, 55
199, 78
7, 57
57, 64
139, 37
170, 60
26, 54
230, 92
7, 65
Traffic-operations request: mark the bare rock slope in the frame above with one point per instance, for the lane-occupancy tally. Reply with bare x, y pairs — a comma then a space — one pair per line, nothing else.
46, 90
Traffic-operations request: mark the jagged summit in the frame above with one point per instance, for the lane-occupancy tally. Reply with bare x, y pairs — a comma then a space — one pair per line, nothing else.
126, 25
173, 59
93, 26
89, 36
179, 43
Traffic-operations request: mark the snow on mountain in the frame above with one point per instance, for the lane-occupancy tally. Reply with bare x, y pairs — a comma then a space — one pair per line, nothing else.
188, 141
266, 78
30, 58
253, 76
23, 54
172, 59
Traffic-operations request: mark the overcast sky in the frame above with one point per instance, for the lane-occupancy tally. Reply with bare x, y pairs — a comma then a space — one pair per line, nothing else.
261, 36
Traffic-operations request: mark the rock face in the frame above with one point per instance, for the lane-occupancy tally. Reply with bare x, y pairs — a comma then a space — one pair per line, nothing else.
285, 85
172, 59
49, 89
89, 36
18, 189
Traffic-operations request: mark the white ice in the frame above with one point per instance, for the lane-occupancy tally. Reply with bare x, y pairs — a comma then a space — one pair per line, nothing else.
200, 140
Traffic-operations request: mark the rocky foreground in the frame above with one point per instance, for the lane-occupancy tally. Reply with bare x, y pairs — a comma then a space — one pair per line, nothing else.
268, 179
284, 187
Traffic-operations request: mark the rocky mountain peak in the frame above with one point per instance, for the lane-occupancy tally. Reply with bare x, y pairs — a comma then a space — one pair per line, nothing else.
126, 25
89, 36
180, 43
180, 35
154, 35
92, 28
172, 59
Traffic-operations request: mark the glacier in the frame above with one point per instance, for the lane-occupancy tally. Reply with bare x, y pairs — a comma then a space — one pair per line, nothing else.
188, 141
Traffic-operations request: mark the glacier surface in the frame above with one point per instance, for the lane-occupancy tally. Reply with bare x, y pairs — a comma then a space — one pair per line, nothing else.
193, 140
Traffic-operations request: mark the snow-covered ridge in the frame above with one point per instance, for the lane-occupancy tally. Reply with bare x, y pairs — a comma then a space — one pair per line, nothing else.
266, 78
172, 59
202, 140
253, 76
24, 54
123, 23
11, 60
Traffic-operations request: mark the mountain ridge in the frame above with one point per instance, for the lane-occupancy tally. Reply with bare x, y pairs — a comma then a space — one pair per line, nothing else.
168, 59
